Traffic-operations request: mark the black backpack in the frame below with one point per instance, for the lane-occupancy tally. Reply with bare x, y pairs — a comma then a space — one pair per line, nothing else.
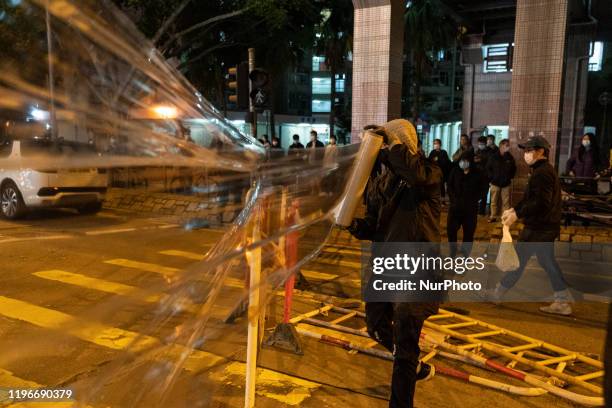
384, 194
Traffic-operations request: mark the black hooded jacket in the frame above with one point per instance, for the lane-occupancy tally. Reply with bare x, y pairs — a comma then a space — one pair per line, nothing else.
465, 190
501, 169
403, 205
541, 205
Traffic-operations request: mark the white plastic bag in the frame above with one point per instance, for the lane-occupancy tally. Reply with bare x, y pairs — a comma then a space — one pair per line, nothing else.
507, 259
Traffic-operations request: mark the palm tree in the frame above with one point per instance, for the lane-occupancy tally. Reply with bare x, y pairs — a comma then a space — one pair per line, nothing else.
335, 42
428, 30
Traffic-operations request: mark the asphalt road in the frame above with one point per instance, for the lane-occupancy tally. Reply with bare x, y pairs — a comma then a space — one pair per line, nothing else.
75, 291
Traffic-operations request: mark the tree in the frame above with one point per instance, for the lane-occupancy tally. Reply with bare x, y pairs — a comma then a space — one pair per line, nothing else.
335, 42
207, 40
428, 30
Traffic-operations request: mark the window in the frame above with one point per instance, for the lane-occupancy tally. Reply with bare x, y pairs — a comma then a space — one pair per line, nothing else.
321, 105
596, 59
321, 86
441, 55
318, 64
497, 57
339, 85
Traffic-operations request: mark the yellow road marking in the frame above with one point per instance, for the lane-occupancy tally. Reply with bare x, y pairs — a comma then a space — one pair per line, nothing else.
310, 274
339, 250
338, 262
235, 282
119, 339
126, 290
143, 266
183, 254
102, 335
98, 284
278, 386
8, 380
165, 270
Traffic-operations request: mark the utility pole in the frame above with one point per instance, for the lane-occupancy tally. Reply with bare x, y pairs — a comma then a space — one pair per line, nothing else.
252, 113
51, 76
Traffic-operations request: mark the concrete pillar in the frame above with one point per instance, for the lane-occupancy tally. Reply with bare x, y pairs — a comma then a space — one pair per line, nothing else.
537, 76
378, 43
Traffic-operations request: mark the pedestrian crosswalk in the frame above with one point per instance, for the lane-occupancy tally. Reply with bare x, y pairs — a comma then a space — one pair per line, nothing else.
295, 390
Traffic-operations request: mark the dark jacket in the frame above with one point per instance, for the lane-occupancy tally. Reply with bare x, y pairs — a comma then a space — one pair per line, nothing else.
584, 163
295, 145
540, 207
317, 143
501, 169
414, 183
465, 190
403, 201
461, 150
440, 157
481, 159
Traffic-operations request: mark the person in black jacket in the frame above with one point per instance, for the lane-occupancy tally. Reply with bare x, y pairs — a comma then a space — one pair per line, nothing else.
464, 146
481, 159
296, 145
540, 210
440, 157
465, 188
501, 169
403, 205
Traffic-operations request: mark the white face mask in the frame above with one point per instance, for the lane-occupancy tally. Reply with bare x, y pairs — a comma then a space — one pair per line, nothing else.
529, 158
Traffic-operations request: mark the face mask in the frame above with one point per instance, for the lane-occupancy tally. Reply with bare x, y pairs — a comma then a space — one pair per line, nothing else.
464, 164
586, 143
529, 158
436, 147
481, 146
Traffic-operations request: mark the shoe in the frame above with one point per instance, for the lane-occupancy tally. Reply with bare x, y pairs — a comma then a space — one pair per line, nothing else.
492, 220
558, 308
495, 295
425, 371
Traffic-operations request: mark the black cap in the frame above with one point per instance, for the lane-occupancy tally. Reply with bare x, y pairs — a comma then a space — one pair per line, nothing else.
535, 142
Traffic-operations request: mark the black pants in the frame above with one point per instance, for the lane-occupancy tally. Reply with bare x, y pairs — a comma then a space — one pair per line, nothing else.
396, 327
461, 219
482, 205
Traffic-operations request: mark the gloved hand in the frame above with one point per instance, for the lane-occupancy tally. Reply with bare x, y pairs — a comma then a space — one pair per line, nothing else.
572, 174
509, 217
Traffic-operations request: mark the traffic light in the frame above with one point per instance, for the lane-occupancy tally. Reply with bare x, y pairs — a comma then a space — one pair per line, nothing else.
238, 84
260, 88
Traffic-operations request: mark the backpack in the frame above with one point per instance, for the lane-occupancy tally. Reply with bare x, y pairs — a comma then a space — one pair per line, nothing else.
384, 193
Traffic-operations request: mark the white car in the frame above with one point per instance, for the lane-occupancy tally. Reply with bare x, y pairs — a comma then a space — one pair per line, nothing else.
24, 185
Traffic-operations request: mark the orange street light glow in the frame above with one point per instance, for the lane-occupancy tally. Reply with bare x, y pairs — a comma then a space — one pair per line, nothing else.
166, 112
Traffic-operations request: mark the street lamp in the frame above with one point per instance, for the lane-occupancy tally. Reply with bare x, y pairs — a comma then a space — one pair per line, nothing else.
165, 111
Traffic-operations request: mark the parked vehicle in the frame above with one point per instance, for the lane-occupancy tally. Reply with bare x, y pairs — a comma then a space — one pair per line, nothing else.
24, 185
